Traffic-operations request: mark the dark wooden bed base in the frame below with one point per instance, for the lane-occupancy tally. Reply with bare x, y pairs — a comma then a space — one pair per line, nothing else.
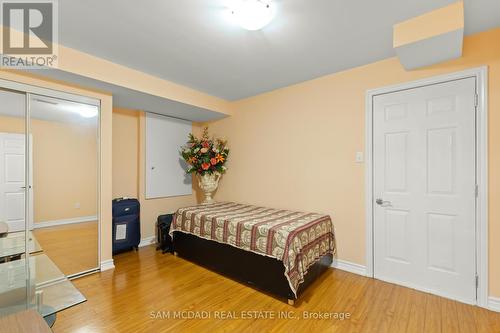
260, 272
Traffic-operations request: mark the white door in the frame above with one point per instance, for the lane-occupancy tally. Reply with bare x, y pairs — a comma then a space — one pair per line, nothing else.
12, 182
424, 180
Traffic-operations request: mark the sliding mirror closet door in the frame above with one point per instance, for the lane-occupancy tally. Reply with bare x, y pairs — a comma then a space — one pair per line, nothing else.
64, 137
16, 280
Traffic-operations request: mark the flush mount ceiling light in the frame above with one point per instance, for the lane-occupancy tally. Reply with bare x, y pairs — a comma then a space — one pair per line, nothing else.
252, 14
87, 111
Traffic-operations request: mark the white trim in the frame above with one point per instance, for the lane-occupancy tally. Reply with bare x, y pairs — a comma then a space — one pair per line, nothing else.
482, 233
480, 73
369, 182
494, 304
37, 90
84, 273
349, 266
107, 265
74, 220
99, 202
147, 241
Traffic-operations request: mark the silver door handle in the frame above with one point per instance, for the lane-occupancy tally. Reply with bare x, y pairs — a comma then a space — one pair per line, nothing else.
383, 203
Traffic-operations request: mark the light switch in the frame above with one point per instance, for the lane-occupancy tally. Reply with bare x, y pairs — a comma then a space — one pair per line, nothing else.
359, 157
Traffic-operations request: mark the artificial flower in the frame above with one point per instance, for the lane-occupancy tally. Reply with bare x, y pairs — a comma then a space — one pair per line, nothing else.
219, 158
205, 155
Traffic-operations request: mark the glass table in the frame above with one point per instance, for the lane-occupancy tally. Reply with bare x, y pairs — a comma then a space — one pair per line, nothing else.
40, 282
12, 246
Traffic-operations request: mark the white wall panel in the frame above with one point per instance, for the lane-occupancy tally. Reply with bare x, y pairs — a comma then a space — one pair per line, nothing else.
165, 168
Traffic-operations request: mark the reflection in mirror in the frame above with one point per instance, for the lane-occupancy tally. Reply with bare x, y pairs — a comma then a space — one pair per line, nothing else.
12, 157
65, 160
14, 286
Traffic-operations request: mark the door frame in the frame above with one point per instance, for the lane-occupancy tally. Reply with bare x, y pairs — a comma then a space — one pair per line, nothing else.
481, 246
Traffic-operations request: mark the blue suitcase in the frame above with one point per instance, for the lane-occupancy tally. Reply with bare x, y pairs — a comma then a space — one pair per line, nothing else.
126, 224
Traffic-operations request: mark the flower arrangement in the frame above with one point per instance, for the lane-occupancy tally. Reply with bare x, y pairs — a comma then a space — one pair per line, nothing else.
205, 155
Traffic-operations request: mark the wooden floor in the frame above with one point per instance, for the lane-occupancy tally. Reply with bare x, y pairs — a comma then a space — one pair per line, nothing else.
147, 287
72, 247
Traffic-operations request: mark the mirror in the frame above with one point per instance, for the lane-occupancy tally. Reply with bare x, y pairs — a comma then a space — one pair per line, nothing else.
49, 226
15, 287
64, 139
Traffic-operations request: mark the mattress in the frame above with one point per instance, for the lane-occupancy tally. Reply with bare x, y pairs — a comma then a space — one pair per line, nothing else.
297, 239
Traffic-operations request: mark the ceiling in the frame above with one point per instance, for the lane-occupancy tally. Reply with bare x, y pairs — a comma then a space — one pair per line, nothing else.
195, 42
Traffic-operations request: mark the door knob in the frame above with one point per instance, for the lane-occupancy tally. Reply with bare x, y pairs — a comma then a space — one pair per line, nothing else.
383, 203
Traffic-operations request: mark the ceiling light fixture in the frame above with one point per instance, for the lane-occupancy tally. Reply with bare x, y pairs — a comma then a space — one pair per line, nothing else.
253, 14
87, 111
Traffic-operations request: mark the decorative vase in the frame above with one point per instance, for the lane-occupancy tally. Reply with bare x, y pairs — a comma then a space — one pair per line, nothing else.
208, 184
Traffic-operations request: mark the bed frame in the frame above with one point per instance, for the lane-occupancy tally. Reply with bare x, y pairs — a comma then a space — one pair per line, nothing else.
260, 272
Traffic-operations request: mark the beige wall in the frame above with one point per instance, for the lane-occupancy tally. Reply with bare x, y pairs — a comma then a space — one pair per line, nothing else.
105, 145
295, 147
125, 153
65, 170
64, 167
128, 169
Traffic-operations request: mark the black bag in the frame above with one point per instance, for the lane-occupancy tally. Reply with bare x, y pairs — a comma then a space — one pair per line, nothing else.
163, 228
126, 225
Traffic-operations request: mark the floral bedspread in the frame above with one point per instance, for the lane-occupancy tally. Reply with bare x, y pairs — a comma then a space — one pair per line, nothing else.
297, 239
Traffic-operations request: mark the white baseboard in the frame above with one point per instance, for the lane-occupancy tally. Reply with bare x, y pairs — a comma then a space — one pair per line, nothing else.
107, 264
494, 304
53, 223
349, 266
147, 241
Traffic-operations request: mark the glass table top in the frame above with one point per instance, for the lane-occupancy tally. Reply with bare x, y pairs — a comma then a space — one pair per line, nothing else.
59, 296
13, 244
49, 289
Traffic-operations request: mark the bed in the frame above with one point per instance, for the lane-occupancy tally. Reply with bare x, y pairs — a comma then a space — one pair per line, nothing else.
277, 251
